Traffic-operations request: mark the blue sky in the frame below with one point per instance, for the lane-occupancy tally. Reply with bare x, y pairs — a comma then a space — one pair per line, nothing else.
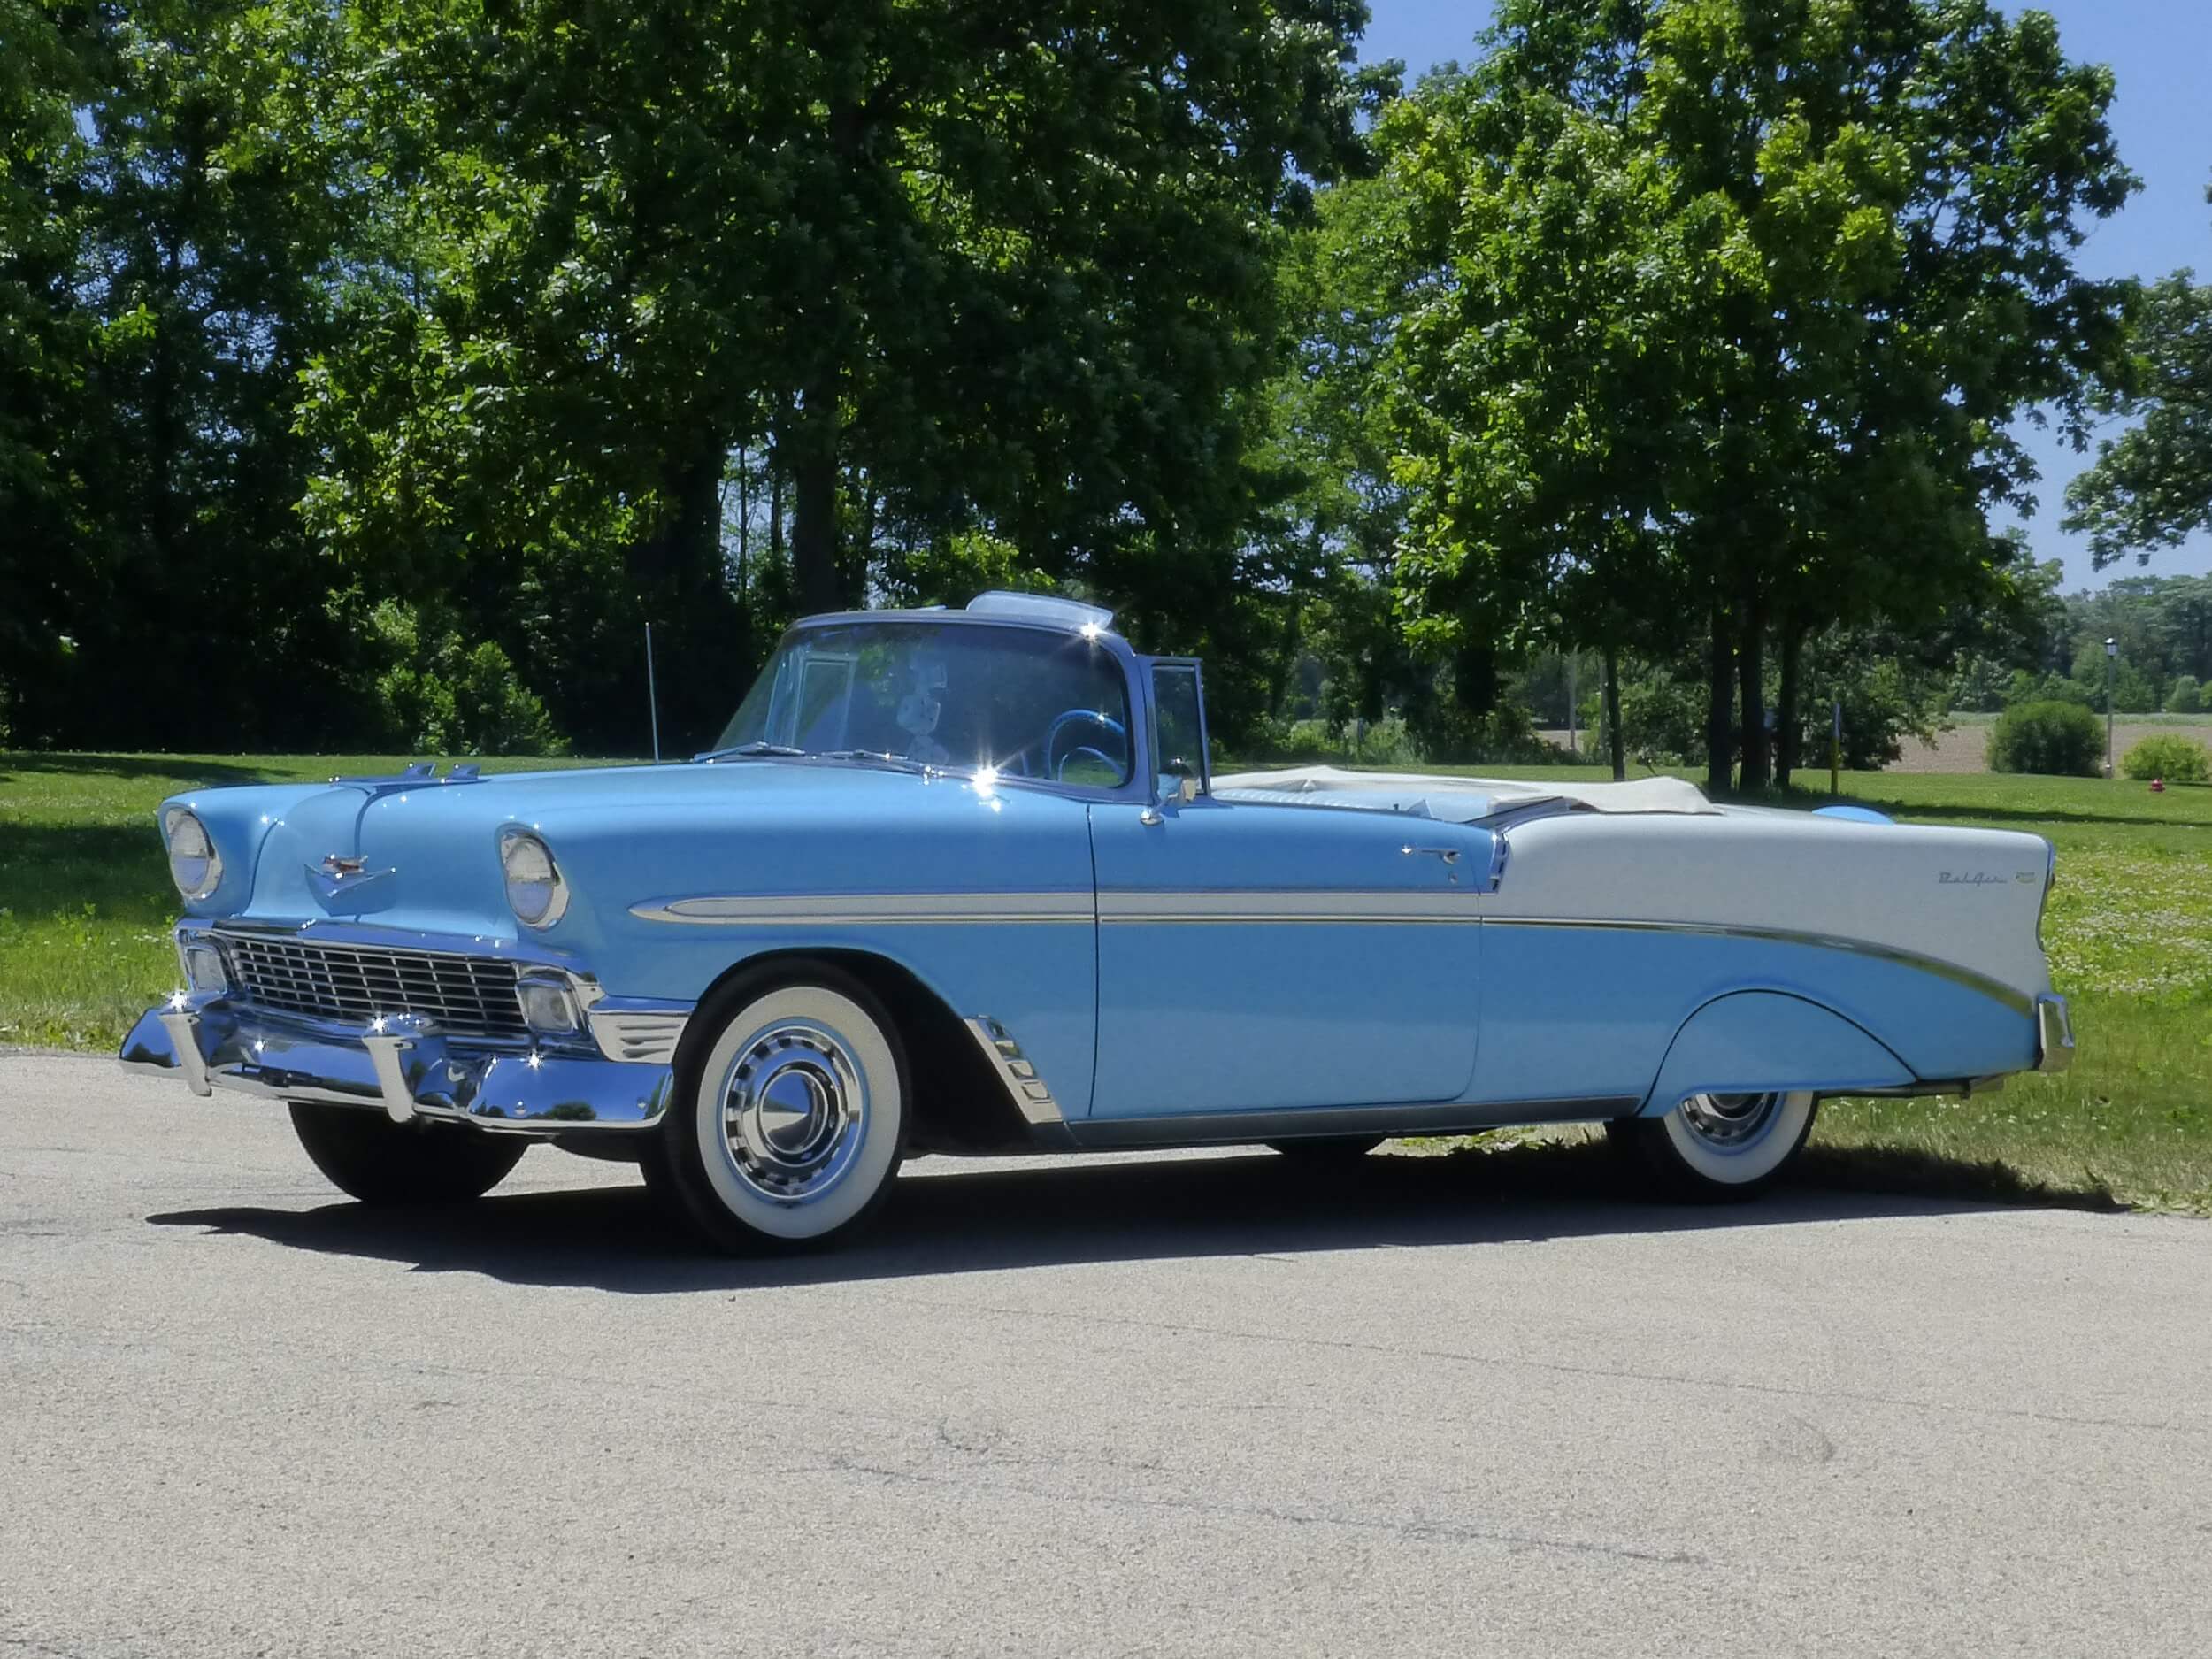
2160, 50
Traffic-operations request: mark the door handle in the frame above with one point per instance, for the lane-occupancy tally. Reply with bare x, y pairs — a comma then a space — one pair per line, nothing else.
1450, 855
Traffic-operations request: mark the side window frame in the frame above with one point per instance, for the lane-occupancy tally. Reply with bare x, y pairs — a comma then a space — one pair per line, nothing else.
1201, 764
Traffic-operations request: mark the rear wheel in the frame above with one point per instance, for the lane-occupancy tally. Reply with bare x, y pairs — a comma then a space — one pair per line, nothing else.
366, 1154
1720, 1146
789, 1120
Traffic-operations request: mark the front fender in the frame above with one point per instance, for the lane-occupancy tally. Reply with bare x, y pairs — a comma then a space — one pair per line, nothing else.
1748, 1042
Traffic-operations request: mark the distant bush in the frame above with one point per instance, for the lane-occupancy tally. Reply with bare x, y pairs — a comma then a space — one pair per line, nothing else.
2186, 697
2135, 692
1663, 719
2169, 755
440, 696
2061, 739
2026, 687
1506, 736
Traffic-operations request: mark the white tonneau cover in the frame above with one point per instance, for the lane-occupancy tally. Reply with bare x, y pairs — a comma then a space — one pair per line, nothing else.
1456, 800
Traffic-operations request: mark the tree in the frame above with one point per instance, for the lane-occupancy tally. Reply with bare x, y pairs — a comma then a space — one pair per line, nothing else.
163, 263
1538, 363
955, 268
1861, 219
2151, 486
45, 341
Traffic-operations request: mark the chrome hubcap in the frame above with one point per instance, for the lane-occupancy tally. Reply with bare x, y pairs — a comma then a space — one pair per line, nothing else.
794, 1112
1729, 1122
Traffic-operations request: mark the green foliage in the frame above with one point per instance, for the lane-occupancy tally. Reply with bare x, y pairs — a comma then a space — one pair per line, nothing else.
2026, 687
168, 237
1448, 734
1663, 718
2151, 486
954, 569
436, 695
1888, 695
1446, 737
959, 273
1723, 308
2186, 696
2060, 738
2169, 755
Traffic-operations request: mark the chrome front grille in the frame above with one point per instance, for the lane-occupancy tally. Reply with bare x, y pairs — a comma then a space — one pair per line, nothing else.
465, 996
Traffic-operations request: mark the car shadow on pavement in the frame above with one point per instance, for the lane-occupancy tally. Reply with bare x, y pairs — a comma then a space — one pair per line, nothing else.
977, 1217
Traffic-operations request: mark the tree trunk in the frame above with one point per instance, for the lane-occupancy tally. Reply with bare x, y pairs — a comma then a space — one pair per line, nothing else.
865, 551
1616, 744
1720, 729
775, 507
815, 577
1788, 718
744, 516
1751, 682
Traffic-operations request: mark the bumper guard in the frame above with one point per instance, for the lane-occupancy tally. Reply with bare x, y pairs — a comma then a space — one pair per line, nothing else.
2053, 1034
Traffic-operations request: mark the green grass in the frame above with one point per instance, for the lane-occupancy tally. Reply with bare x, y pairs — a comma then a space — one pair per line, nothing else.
86, 904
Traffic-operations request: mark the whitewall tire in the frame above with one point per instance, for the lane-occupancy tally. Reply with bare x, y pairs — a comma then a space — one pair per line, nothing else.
791, 1111
1722, 1146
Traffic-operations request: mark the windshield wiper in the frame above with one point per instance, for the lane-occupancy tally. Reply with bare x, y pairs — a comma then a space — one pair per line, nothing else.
748, 751
877, 758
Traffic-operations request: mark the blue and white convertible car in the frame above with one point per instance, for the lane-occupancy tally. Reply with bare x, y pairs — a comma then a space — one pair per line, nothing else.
960, 880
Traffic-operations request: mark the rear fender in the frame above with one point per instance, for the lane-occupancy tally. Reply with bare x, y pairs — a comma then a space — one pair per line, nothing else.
1749, 1042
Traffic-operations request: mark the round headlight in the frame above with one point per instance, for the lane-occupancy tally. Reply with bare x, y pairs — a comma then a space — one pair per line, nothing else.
193, 863
536, 890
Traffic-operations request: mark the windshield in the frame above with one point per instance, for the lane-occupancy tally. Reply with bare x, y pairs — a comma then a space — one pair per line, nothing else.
1026, 702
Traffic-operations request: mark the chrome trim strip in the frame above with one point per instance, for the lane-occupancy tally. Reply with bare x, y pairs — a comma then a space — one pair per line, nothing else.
1289, 905
855, 910
2018, 1001
316, 930
1240, 1128
1140, 906
1029, 1094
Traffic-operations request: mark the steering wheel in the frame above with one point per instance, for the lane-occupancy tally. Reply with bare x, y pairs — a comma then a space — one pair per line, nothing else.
1056, 764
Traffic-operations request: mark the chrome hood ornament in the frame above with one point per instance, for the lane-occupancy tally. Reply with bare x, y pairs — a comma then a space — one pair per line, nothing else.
338, 882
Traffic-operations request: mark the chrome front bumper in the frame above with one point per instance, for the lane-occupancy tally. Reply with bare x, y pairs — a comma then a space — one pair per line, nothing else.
2053, 1034
403, 1067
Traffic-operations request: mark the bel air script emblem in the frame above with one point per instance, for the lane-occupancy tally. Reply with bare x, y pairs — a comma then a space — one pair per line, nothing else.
1978, 879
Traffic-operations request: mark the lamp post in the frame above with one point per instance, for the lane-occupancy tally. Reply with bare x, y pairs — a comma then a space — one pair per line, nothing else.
2111, 665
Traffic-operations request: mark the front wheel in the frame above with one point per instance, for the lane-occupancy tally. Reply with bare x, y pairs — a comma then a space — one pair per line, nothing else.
366, 1154
1720, 1146
789, 1118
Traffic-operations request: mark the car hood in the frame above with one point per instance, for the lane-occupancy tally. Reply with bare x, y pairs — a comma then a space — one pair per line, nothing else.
423, 853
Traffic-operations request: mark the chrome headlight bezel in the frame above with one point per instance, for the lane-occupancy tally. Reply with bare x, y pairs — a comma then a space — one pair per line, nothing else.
196, 873
528, 864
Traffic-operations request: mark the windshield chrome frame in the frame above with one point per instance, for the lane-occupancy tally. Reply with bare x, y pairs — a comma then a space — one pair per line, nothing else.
1136, 679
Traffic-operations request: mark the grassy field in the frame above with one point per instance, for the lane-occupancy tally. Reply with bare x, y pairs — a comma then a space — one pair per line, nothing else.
85, 905
85, 897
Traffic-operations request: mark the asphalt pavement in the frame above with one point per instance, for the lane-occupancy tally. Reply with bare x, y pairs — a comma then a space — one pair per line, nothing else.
1219, 1404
